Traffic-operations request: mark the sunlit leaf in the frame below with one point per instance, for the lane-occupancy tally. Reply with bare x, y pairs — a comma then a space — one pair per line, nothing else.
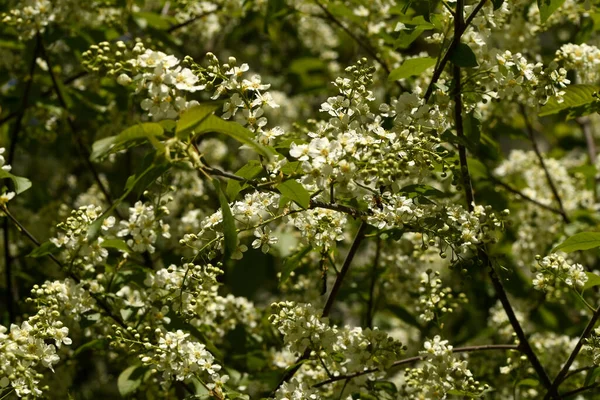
579, 241
412, 67
294, 191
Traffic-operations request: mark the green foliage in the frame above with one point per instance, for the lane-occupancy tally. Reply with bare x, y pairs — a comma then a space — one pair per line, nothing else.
463, 56
294, 191
140, 133
579, 241
21, 184
412, 67
548, 7
578, 100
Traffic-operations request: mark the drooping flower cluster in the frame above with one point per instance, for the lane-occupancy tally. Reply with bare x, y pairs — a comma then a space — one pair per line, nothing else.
515, 77
321, 227
26, 348
345, 350
434, 298
73, 237
441, 373
556, 274
178, 356
155, 74
192, 288
142, 227
583, 58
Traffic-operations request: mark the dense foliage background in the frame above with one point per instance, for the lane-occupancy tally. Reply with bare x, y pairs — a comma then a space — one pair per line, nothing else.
312, 199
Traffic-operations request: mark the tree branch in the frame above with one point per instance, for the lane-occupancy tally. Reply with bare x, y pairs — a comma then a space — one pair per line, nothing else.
459, 27
33, 239
82, 149
466, 349
565, 369
11, 294
538, 153
457, 34
523, 195
290, 372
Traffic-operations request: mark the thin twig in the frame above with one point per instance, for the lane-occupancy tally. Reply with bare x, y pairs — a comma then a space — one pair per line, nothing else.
580, 390
586, 128
523, 195
33, 239
459, 27
11, 295
466, 349
358, 40
437, 73
344, 270
370, 307
290, 372
83, 150
565, 369
538, 153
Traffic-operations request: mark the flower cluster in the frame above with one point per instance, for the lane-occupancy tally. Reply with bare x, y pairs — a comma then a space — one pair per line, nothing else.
392, 211
5, 196
33, 344
345, 349
178, 356
192, 288
592, 346
320, 227
583, 58
434, 299
515, 77
32, 17
555, 274
441, 373
155, 74
142, 228
73, 237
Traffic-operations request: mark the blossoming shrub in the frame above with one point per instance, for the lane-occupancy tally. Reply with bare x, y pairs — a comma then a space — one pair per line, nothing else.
320, 199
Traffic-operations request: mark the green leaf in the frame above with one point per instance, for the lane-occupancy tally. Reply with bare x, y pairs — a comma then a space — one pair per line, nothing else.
130, 379
547, 7
248, 171
21, 184
593, 280
95, 344
294, 191
412, 67
591, 376
463, 56
44, 249
579, 241
193, 117
233, 130
118, 244
291, 168
291, 263
528, 382
497, 4
472, 130
229, 230
146, 131
406, 38
575, 96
